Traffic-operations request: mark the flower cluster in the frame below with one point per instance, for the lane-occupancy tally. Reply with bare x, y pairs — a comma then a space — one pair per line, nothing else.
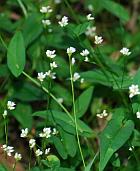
102, 115
63, 22
9, 150
133, 90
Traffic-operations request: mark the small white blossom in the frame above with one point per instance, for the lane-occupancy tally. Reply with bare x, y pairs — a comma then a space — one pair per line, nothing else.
84, 53
125, 51
46, 133
32, 143
138, 115
90, 7
86, 59
54, 132
50, 30
103, 114
38, 152
60, 100
131, 148
46, 22
63, 22
89, 17
50, 53
8, 149
41, 76
98, 40
46, 9
53, 65
133, 90
11, 105
76, 76
71, 50
47, 151
73, 61
17, 156
57, 1
51, 74
24, 133
4, 113
90, 31
82, 80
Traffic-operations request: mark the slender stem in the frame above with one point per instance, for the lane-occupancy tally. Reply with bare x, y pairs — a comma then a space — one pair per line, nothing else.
5, 129
23, 8
74, 110
14, 166
29, 166
46, 90
123, 71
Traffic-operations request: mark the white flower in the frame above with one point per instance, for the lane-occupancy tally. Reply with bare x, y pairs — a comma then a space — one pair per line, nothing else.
133, 90
38, 152
131, 148
50, 53
46, 22
98, 40
8, 149
32, 143
47, 151
57, 1
54, 131
86, 59
51, 74
53, 65
46, 133
138, 115
17, 156
76, 76
41, 76
84, 53
73, 61
71, 50
90, 7
82, 80
24, 133
63, 22
125, 51
50, 30
90, 31
11, 105
4, 113
89, 17
103, 114
60, 100
46, 9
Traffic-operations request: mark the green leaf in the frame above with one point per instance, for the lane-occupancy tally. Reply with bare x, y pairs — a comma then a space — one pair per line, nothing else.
114, 136
23, 114
136, 79
83, 101
32, 28
16, 54
60, 147
52, 162
116, 9
81, 28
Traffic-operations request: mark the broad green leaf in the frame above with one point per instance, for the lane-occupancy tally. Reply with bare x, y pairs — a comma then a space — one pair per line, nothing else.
52, 162
83, 101
60, 147
116, 9
88, 167
66, 123
81, 28
32, 28
2, 168
16, 54
114, 136
23, 114
69, 139
96, 77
